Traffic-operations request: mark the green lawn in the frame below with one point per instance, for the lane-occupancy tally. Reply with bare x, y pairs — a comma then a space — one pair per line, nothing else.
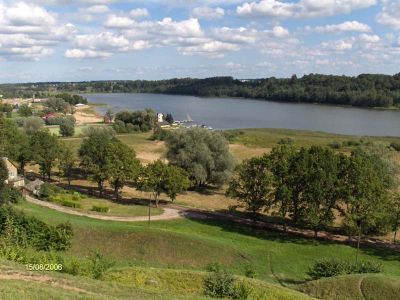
116, 209
193, 244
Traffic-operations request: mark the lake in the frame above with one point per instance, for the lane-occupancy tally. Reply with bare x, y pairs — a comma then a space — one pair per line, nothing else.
227, 113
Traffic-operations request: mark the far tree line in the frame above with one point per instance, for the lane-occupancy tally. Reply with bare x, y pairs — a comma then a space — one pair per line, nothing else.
365, 90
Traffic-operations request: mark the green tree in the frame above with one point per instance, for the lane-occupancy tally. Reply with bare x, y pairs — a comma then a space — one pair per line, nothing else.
169, 118
25, 111
58, 105
94, 155
279, 161
46, 150
3, 175
121, 164
395, 215
176, 181
252, 185
323, 188
67, 128
367, 195
67, 162
32, 124
203, 154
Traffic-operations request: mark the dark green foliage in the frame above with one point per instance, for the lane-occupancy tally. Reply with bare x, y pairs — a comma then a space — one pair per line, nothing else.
169, 118
25, 111
58, 120
395, 146
29, 231
219, 284
159, 134
32, 124
286, 141
252, 185
203, 154
9, 195
365, 90
144, 119
250, 272
72, 99
67, 128
101, 209
335, 145
69, 203
3, 174
335, 267
99, 264
48, 190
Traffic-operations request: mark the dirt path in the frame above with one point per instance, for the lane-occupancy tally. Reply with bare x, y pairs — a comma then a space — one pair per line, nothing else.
168, 214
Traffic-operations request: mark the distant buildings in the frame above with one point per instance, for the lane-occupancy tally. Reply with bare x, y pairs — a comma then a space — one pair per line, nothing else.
13, 178
160, 117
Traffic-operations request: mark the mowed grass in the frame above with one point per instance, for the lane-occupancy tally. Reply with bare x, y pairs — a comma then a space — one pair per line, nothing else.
354, 287
116, 209
194, 244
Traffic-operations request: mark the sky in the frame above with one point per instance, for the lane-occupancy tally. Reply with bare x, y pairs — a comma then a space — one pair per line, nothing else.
68, 40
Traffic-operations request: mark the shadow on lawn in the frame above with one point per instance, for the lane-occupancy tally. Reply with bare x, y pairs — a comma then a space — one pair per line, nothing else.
272, 232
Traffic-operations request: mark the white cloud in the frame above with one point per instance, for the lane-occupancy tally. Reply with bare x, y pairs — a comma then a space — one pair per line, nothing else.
279, 31
114, 21
302, 8
340, 45
369, 38
343, 27
95, 9
208, 13
139, 13
390, 15
79, 54
30, 31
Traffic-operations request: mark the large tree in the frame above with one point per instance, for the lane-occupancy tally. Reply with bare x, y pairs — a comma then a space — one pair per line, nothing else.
367, 195
203, 154
121, 164
67, 162
322, 189
46, 150
279, 161
94, 154
252, 185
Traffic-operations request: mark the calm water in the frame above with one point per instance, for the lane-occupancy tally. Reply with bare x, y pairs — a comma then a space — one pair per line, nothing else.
226, 113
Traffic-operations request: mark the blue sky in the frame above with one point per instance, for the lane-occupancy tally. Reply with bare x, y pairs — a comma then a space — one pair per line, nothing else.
67, 40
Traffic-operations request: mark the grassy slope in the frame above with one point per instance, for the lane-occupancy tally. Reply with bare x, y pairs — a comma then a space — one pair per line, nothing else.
355, 287
45, 285
192, 244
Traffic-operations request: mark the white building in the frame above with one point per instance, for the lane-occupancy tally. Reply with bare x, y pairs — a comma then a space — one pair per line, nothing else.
160, 117
13, 178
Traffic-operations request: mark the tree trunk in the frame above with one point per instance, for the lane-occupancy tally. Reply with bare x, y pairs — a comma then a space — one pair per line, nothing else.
358, 241
100, 185
395, 236
315, 233
116, 191
149, 211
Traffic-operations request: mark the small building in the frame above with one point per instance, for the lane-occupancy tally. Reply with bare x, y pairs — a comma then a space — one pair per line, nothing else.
33, 187
13, 178
160, 117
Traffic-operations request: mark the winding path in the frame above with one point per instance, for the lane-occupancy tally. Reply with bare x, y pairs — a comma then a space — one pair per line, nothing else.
168, 214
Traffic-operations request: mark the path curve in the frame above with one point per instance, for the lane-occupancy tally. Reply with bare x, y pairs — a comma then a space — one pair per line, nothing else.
168, 214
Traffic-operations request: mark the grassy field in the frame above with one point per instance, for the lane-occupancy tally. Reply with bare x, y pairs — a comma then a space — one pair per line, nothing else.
354, 287
194, 244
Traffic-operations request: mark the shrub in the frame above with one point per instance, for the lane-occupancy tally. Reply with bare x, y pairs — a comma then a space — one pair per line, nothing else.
10, 195
335, 145
335, 267
99, 264
219, 284
47, 190
286, 141
68, 203
67, 128
395, 146
242, 291
101, 209
250, 272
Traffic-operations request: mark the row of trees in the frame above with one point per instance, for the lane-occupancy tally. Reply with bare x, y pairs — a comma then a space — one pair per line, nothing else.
366, 90
313, 186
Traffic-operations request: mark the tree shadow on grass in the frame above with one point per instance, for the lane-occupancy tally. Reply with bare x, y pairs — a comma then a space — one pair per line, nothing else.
273, 232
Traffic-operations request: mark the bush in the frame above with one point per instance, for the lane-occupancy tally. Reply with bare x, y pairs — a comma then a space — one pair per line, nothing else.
335, 267
48, 190
335, 145
10, 195
22, 231
250, 272
99, 265
395, 146
68, 203
219, 284
286, 141
242, 291
67, 128
101, 209
351, 143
